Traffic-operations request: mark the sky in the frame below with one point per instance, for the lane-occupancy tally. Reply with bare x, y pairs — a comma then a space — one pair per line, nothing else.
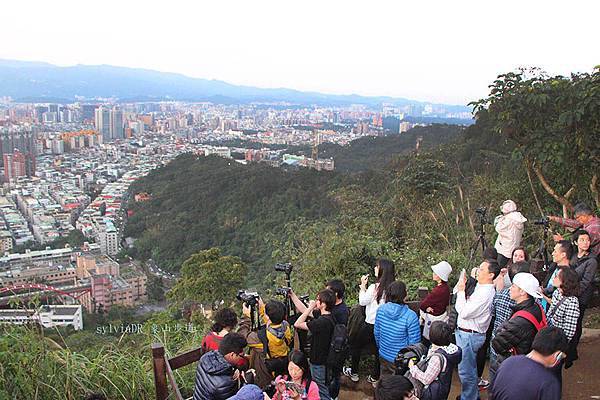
438, 51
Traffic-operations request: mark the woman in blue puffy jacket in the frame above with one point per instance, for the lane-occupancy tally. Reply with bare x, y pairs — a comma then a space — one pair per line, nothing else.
396, 326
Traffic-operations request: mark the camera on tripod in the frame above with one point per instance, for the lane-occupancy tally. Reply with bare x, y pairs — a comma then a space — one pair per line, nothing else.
481, 210
284, 267
283, 291
248, 298
542, 221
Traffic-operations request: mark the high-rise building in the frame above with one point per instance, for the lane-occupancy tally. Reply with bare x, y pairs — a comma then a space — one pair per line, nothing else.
102, 123
14, 166
38, 112
88, 111
23, 140
116, 124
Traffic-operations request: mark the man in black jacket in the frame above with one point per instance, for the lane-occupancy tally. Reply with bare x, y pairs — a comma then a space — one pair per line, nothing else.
216, 376
516, 335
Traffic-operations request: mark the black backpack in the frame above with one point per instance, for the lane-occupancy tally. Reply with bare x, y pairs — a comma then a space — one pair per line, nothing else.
339, 348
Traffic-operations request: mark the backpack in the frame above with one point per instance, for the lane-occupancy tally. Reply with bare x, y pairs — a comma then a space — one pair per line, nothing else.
356, 323
338, 349
275, 365
538, 325
425, 392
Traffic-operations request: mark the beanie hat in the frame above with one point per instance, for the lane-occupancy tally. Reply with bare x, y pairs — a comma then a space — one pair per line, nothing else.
443, 270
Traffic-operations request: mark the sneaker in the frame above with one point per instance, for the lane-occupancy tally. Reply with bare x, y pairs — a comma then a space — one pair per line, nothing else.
483, 384
371, 380
348, 372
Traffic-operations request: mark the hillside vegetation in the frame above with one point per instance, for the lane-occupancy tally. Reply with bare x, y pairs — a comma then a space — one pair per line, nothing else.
203, 202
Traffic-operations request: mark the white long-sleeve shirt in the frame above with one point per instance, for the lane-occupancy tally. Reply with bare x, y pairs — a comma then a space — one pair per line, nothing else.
475, 313
368, 298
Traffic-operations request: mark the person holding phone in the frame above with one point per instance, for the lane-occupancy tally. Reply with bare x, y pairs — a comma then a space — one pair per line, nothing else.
371, 297
297, 384
535, 379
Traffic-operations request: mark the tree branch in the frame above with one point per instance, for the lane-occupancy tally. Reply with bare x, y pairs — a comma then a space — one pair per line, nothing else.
537, 201
564, 200
594, 190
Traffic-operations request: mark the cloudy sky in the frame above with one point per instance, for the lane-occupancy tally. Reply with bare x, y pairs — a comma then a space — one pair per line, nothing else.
443, 51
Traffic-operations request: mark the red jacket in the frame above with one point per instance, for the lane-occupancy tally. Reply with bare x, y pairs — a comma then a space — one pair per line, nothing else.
438, 299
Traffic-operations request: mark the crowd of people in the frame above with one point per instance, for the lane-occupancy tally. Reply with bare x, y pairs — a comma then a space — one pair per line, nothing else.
529, 329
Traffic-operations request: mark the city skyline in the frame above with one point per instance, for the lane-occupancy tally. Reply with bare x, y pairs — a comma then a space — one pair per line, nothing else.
444, 52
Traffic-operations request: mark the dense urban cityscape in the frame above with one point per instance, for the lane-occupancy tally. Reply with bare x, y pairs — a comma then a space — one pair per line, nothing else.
68, 167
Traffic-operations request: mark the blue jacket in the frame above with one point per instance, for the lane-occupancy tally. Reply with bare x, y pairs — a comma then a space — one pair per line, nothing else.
396, 326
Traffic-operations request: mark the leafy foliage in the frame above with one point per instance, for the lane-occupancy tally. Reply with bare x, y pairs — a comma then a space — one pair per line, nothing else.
208, 277
555, 123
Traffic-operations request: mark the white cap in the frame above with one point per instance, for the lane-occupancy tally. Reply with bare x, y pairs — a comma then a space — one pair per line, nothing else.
442, 269
508, 206
528, 283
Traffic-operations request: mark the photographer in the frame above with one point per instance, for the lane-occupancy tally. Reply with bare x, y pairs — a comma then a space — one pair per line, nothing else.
216, 375
340, 309
510, 227
584, 219
270, 345
321, 330
371, 297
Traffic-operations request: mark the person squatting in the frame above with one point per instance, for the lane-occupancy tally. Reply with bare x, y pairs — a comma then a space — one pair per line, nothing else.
528, 321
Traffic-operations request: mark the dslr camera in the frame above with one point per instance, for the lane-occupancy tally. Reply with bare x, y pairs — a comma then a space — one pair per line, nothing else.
283, 291
543, 221
284, 267
249, 298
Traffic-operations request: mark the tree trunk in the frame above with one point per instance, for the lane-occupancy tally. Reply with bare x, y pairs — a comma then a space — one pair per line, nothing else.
563, 200
594, 190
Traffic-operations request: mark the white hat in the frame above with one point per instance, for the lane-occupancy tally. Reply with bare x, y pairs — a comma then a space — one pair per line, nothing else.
528, 283
508, 206
442, 269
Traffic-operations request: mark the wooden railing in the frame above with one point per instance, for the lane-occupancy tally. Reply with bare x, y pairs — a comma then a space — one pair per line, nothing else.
164, 367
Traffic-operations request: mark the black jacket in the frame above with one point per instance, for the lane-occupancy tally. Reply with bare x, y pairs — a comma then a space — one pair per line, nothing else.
517, 333
586, 268
214, 378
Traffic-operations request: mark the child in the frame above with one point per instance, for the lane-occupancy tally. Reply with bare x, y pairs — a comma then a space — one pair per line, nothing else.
432, 377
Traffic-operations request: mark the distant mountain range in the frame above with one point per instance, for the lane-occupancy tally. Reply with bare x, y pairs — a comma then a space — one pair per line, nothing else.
43, 82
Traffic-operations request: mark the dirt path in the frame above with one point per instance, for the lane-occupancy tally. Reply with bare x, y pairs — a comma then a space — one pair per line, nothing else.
581, 382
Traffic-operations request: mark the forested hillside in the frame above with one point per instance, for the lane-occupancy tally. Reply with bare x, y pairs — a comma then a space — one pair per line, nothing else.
199, 202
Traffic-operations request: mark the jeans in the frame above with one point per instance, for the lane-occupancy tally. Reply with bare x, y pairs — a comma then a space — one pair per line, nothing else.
470, 343
493, 367
319, 376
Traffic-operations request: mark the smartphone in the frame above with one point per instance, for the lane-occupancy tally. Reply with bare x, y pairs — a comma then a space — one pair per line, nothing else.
293, 386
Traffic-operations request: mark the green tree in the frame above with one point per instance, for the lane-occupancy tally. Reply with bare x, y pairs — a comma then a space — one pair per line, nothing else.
156, 290
208, 277
555, 123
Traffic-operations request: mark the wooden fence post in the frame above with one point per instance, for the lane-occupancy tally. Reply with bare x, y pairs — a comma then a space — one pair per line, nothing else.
160, 371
